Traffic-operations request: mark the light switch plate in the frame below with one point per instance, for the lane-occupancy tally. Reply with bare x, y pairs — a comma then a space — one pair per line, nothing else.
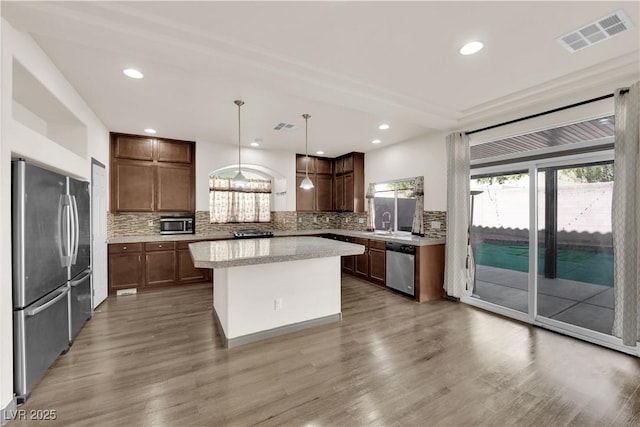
435, 225
150, 223
360, 220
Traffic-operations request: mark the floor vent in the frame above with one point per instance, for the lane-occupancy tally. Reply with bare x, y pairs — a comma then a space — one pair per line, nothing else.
595, 32
287, 127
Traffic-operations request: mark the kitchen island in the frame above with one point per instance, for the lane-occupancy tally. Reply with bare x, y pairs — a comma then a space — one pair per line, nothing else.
268, 287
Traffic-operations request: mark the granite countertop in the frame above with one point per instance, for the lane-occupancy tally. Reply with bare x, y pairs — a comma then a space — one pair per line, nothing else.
239, 252
409, 239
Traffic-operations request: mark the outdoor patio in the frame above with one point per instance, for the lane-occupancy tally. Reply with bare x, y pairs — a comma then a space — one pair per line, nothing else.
577, 303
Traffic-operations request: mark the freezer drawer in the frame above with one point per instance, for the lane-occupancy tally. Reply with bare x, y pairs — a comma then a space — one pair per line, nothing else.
40, 336
79, 303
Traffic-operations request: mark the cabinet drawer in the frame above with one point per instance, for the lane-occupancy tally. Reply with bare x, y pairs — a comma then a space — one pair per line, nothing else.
119, 248
159, 246
377, 244
360, 241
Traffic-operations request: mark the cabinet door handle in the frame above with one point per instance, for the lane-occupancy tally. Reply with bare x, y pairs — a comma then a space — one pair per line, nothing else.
124, 248
159, 246
139, 258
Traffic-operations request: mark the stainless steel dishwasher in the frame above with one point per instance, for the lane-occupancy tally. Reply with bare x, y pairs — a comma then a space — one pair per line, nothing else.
400, 274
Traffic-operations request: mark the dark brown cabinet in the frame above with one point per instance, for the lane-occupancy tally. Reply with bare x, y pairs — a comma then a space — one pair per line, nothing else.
187, 272
125, 266
362, 261
160, 263
175, 189
152, 264
152, 174
134, 181
349, 183
338, 183
320, 197
377, 262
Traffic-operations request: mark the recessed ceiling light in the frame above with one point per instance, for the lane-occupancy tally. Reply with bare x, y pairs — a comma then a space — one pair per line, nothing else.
133, 73
320, 152
384, 126
255, 144
150, 130
471, 48
376, 141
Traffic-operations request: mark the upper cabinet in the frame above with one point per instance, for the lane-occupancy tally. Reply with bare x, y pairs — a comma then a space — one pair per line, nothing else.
152, 174
320, 197
338, 183
349, 183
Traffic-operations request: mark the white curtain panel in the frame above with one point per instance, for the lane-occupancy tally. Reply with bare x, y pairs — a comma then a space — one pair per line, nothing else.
418, 217
455, 273
371, 218
626, 216
229, 203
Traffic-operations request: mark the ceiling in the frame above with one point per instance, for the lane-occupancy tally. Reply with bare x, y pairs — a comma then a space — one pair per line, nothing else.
350, 65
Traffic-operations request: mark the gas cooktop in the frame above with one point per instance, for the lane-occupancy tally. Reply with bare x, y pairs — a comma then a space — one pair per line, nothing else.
251, 233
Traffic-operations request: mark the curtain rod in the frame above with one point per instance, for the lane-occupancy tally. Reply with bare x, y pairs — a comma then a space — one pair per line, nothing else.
544, 113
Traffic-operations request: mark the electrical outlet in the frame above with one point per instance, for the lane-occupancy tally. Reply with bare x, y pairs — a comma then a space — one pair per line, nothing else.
277, 304
315, 219
326, 219
435, 225
360, 220
299, 220
346, 219
150, 223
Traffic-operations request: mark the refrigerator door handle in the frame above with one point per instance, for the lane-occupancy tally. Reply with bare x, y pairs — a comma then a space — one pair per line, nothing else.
39, 309
65, 231
77, 282
75, 230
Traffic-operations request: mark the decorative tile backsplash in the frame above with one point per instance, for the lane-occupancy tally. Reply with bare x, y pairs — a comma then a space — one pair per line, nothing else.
137, 224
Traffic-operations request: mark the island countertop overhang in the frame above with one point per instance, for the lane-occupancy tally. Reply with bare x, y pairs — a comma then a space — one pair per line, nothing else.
240, 252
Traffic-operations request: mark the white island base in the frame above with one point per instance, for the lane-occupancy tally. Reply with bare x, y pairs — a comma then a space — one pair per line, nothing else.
254, 302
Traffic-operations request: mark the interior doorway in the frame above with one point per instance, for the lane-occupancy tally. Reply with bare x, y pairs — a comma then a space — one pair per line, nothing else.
99, 231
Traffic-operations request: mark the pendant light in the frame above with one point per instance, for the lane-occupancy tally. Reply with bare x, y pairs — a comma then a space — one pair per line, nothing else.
306, 183
239, 179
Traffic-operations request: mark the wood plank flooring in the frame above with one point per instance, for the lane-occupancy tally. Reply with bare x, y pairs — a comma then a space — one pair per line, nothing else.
156, 359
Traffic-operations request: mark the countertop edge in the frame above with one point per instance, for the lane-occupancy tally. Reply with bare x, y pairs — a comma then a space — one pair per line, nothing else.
413, 240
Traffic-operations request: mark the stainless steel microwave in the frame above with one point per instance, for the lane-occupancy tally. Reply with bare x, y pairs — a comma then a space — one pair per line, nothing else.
177, 225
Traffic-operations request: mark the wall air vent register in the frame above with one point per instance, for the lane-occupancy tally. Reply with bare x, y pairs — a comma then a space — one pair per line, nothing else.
595, 32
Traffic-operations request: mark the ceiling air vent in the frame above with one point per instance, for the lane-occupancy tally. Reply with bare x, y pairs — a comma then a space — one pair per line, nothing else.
595, 32
285, 127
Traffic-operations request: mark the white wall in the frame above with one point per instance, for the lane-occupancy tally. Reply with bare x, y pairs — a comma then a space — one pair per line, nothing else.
422, 156
211, 156
19, 140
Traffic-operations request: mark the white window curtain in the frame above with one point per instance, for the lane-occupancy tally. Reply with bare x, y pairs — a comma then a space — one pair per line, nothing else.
371, 218
230, 203
626, 216
418, 217
459, 269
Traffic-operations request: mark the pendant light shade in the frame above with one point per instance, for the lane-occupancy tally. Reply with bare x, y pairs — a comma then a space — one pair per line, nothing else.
239, 179
306, 183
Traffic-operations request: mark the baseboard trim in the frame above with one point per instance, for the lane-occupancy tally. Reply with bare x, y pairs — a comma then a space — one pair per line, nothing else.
9, 412
270, 333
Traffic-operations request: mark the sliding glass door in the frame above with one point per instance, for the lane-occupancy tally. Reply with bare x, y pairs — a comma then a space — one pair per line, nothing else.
541, 238
500, 239
575, 245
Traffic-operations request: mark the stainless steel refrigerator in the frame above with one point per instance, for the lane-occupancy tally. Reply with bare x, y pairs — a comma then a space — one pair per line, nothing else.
51, 268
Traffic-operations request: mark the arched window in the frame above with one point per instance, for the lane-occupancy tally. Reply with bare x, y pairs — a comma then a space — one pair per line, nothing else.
230, 203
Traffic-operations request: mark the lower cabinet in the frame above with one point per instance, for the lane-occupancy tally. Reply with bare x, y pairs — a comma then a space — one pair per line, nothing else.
160, 263
372, 266
126, 269
377, 262
151, 265
362, 261
187, 272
